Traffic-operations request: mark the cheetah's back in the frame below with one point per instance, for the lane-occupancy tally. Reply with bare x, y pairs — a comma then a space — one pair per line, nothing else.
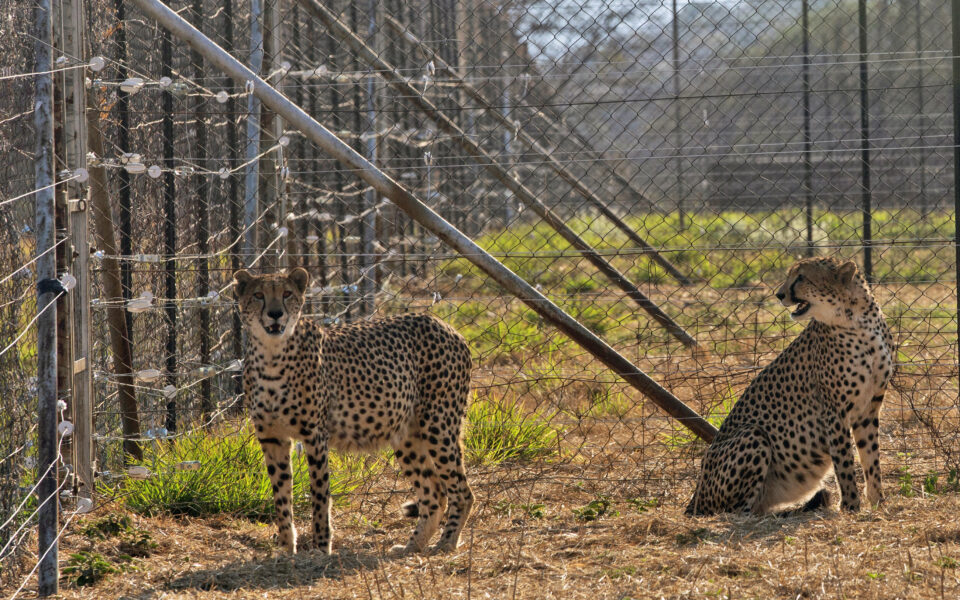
384, 377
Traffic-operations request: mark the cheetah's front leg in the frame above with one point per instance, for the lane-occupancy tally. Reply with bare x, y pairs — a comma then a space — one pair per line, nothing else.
276, 454
841, 454
866, 432
317, 459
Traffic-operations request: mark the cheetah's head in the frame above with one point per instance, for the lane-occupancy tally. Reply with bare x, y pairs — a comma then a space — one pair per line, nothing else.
825, 289
270, 304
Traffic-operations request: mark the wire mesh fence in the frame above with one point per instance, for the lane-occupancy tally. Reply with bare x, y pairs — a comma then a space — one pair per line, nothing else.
651, 167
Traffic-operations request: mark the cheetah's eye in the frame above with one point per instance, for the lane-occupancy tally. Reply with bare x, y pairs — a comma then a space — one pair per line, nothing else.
287, 294
799, 276
258, 295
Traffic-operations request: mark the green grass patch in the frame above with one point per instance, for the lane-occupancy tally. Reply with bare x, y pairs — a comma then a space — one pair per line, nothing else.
106, 527
601, 506
531, 511
231, 477
642, 505
947, 562
501, 431
905, 481
87, 568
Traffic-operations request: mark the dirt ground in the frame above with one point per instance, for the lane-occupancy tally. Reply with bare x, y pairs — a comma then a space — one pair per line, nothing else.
908, 548
530, 537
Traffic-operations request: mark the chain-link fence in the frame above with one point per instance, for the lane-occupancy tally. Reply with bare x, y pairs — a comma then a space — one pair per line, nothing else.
651, 167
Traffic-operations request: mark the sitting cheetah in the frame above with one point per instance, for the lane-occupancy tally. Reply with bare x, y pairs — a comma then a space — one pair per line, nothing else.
401, 382
793, 422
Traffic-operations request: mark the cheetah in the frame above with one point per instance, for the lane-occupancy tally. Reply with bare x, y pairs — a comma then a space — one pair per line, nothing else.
792, 424
401, 382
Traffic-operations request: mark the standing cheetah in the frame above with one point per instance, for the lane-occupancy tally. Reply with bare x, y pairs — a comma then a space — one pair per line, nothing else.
401, 382
793, 422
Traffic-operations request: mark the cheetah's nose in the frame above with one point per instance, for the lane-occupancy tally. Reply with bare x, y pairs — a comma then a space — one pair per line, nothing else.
275, 314
780, 295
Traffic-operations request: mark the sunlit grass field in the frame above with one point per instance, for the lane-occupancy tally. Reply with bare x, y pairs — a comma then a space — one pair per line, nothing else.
577, 475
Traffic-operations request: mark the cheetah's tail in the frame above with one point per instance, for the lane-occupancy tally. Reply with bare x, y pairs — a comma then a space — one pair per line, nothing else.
410, 510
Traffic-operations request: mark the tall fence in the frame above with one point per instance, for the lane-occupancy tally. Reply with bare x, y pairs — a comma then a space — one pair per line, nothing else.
653, 168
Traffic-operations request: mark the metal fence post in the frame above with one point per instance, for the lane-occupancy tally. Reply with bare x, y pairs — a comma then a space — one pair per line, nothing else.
921, 100
955, 46
273, 197
508, 198
75, 147
252, 146
807, 165
47, 294
169, 231
203, 217
368, 223
233, 197
866, 191
675, 28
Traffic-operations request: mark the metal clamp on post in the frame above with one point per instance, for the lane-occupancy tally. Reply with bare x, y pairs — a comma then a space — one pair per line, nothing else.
46, 286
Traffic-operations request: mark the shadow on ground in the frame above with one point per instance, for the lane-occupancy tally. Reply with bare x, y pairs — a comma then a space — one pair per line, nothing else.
279, 571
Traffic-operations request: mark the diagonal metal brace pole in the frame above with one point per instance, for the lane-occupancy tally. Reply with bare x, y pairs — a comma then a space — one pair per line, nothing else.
538, 150
339, 30
418, 211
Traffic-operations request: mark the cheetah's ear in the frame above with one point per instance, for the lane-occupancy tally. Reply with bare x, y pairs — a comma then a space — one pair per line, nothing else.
240, 281
846, 272
300, 278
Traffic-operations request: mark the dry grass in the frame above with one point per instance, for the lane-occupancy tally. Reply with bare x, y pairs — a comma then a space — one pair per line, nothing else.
623, 450
909, 548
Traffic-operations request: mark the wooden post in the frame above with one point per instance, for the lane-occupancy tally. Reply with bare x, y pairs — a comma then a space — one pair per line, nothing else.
113, 289
955, 62
123, 140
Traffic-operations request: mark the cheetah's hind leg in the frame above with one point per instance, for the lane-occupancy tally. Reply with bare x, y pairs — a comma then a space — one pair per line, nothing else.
418, 466
733, 474
454, 479
457, 490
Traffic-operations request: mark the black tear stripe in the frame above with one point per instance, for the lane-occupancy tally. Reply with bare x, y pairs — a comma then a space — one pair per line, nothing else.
793, 294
